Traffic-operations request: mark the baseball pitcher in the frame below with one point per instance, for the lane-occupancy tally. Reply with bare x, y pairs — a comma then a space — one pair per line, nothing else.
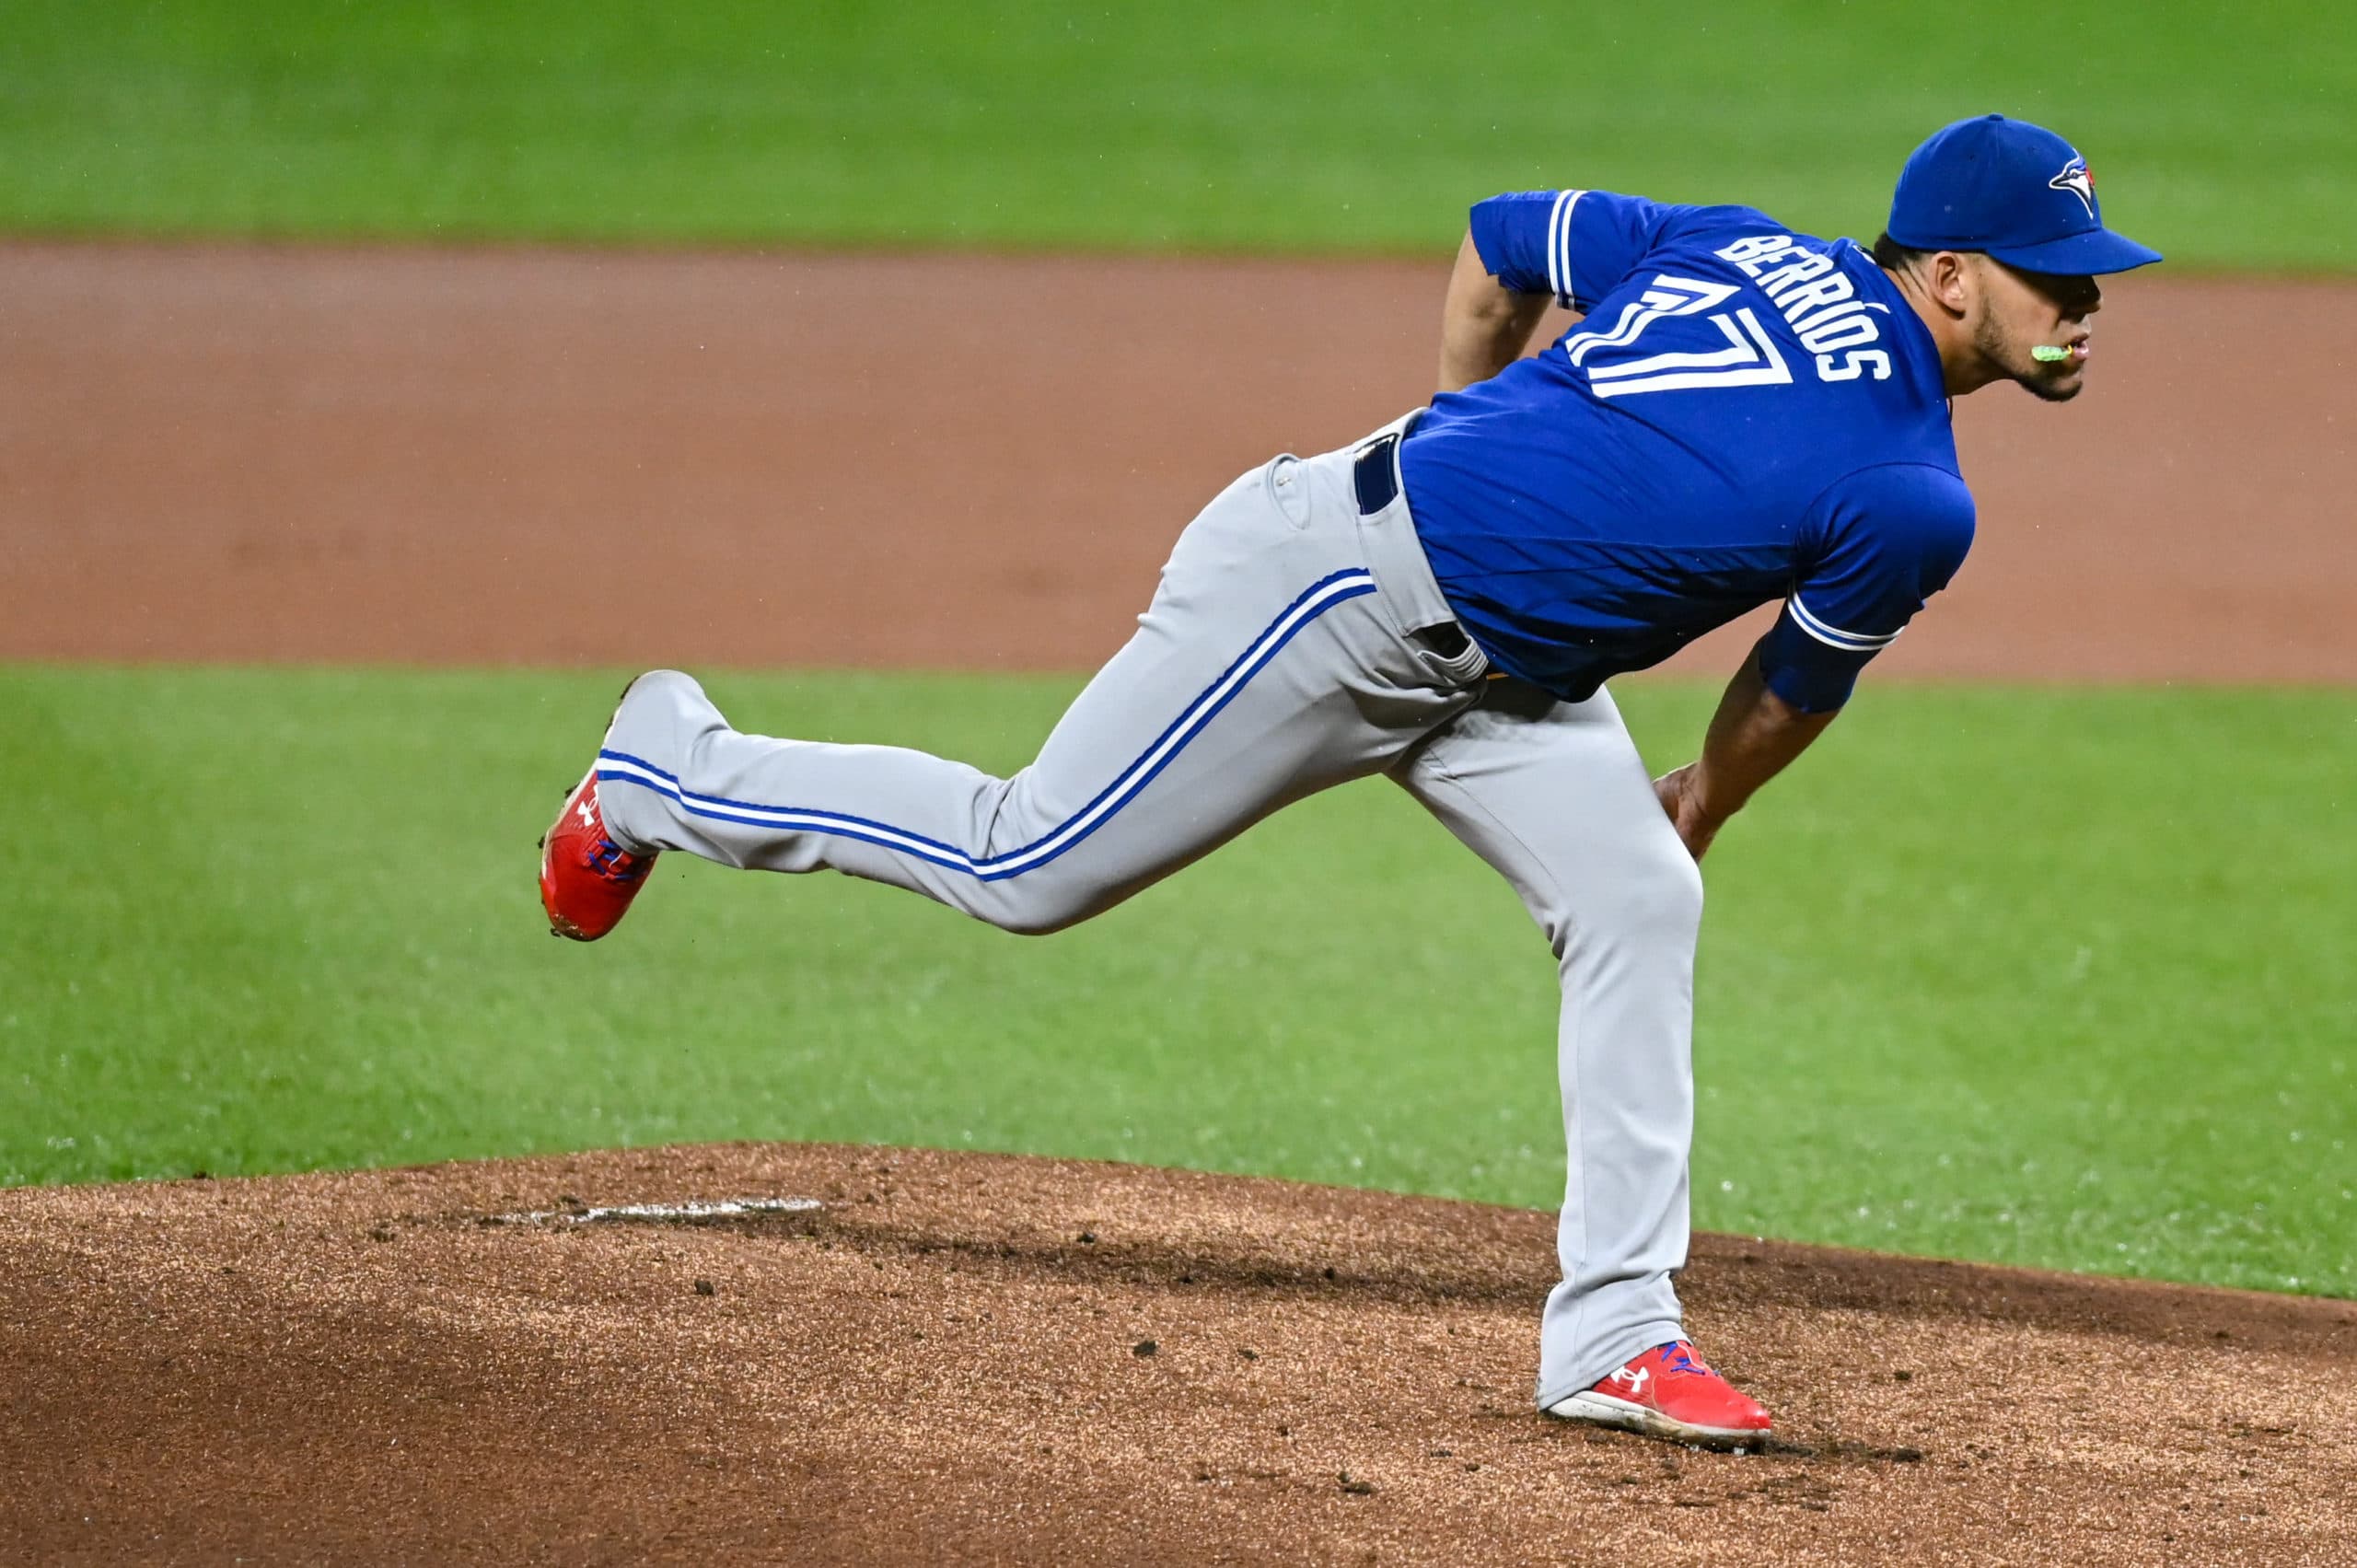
1744, 415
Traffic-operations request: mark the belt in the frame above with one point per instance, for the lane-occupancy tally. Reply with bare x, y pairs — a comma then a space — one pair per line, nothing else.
1374, 477
1374, 473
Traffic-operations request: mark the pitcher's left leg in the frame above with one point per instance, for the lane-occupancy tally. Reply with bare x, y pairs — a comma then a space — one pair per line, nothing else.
1555, 795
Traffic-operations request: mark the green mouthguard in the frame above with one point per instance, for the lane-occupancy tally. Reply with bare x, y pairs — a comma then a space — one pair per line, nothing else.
2047, 353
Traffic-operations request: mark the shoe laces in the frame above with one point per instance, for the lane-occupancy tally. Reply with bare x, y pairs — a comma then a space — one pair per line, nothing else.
1680, 1356
615, 864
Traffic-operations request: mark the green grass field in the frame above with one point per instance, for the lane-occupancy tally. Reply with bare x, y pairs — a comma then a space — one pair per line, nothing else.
2042, 976
2218, 134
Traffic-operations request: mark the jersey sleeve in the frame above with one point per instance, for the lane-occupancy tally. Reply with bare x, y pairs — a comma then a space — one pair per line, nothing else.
1576, 245
1893, 536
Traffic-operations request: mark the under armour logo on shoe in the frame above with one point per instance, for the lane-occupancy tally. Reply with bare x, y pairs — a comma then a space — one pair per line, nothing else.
1635, 1378
581, 809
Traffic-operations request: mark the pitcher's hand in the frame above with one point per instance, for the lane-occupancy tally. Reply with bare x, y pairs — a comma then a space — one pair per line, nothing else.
1679, 798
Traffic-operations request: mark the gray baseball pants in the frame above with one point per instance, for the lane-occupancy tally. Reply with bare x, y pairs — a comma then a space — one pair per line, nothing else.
1289, 647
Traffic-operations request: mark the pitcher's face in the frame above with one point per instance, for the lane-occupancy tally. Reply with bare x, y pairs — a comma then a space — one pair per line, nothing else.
2016, 311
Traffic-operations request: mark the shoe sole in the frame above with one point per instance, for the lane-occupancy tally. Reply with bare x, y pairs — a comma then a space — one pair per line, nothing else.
558, 924
1603, 1409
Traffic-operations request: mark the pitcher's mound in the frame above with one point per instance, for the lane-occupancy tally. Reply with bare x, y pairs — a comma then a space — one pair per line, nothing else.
824, 1354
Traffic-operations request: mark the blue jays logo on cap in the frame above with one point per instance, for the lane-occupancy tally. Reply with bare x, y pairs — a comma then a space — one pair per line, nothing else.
2080, 180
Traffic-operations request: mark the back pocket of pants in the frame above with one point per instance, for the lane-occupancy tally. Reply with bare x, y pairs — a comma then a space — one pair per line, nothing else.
1288, 481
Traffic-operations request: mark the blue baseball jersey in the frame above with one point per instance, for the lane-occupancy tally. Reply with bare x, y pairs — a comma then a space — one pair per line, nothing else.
1744, 414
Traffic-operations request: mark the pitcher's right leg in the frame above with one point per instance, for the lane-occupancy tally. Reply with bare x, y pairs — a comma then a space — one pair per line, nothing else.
1263, 671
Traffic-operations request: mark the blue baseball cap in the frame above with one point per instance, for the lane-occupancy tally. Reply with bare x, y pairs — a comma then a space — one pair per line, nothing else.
2013, 191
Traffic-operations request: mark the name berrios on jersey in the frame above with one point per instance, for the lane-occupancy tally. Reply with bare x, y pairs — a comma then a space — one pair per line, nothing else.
1821, 306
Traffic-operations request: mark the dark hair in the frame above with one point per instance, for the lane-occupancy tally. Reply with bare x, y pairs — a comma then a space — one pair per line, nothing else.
1892, 256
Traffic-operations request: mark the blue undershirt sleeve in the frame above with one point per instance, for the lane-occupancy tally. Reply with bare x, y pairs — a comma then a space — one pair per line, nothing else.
1893, 536
1575, 245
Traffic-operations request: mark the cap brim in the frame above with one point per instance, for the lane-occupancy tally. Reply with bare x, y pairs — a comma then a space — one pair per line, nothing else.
2078, 255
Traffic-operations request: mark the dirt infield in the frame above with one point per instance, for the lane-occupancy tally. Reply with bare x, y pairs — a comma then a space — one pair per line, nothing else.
964, 1358
974, 462
222, 453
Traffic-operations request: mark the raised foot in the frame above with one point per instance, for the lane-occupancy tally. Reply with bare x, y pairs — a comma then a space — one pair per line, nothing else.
586, 880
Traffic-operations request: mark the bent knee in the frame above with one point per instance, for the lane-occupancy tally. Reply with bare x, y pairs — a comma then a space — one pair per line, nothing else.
1656, 899
1668, 896
1025, 924
1041, 911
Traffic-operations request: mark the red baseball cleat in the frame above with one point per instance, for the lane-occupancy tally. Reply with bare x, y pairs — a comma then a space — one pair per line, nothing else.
1670, 1392
586, 879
